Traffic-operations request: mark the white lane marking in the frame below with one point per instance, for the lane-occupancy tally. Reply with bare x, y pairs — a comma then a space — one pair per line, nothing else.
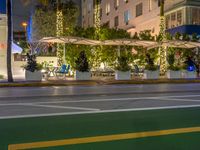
180, 100
103, 100
99, 112
116, 99
62, 107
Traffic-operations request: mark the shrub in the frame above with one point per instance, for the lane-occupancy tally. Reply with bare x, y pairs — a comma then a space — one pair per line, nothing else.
150, 63
122, 64
82, 63
32, 64
171, 60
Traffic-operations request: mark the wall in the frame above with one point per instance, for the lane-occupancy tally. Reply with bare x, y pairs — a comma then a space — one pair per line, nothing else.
3, 44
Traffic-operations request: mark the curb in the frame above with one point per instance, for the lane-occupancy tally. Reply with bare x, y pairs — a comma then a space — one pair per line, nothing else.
96, 82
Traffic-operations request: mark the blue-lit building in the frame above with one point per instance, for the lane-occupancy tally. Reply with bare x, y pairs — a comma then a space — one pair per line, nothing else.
184, 17
2, 6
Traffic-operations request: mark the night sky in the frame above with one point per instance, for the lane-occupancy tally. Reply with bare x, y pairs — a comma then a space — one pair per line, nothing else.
22, 11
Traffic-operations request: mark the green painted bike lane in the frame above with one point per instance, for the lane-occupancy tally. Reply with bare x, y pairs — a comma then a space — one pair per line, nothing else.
26, 130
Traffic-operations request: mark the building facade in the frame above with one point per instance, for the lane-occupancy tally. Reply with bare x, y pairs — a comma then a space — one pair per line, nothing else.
138, 15
3, 37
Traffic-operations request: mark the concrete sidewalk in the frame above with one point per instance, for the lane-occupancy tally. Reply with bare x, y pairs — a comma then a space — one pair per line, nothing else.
95, 82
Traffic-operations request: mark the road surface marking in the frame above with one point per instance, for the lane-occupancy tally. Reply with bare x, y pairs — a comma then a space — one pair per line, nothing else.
180, 100
63, 107
102, 100
104, 138
98, 112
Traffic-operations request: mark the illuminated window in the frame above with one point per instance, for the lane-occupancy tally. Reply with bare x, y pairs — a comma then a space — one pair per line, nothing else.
116, 4
150, 5
107, 8
126, 17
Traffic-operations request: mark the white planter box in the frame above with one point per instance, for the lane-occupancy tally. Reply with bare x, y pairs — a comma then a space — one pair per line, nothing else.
189, 74
173, 74
33, 76
121, 75
82, 75
151, 74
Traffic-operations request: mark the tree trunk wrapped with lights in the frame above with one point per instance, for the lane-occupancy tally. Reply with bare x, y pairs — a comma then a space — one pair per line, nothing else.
97, 18
163, 61
59, 32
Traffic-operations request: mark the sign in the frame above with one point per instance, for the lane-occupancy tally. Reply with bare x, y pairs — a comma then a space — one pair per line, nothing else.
2, 46
2, 6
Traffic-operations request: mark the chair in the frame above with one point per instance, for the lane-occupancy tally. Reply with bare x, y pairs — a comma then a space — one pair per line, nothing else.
62, 71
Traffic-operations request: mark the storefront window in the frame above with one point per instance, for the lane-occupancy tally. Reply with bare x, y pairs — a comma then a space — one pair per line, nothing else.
174, 19
195, 16
179, 17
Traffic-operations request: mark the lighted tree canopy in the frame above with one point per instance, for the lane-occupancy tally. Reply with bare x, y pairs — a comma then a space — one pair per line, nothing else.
44, 19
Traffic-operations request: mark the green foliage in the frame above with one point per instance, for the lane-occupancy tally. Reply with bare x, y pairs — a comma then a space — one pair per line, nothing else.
170, 59
44, 20
146, 35
44, 23
177, 36
150, 63
32, 65
122, 64
82, 63
171, 62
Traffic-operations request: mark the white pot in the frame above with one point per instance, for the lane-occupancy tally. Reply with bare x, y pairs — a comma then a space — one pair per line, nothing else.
189, 74
148, 74
122, 75
33, 76
171, 74
82, 75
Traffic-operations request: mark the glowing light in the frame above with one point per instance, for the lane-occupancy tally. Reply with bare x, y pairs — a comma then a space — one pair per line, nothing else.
59, 33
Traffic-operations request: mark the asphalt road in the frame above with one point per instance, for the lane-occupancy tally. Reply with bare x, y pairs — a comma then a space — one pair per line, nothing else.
50, 101
159, 116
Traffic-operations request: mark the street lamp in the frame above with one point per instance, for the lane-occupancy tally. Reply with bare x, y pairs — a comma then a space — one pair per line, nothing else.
25, 24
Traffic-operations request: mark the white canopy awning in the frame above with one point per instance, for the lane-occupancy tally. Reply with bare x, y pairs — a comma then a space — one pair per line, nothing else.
181, 44
115, 42
69, 40
85, 41
16, 48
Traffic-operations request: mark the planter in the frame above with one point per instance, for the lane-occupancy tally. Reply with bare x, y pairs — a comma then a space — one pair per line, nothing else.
121, 75
148, 74
33, 76
189, 74
171, 74
82, 75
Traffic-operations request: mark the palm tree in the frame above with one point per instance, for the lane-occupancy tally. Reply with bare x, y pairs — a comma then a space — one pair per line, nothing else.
9, 41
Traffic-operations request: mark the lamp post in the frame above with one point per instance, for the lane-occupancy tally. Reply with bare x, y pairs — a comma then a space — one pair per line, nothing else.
25, 24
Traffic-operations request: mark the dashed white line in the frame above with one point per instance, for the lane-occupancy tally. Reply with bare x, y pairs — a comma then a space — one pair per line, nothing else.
96, 112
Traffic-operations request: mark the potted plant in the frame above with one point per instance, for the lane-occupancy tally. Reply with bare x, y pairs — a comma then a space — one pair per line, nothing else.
32, 69
151, 70
122, 69
173, 71
82, 67
189, 69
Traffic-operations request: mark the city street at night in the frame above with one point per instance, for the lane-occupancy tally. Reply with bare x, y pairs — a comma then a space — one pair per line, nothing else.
100, 117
